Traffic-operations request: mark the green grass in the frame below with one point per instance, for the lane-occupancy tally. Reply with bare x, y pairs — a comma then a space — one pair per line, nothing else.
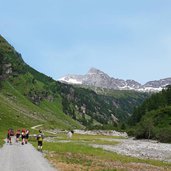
2, 137
78, 151
88, 139
16, 110
76, 148
92, 137
82, 155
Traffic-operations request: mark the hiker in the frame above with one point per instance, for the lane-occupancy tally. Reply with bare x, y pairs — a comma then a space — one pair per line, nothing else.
69, 134
27, 136
18, 133
23, 136
9, 134
40, 138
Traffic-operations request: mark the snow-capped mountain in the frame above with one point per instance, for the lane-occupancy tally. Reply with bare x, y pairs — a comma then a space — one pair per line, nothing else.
97, 78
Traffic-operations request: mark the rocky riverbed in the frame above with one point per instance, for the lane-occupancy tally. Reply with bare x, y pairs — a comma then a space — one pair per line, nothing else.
145, 149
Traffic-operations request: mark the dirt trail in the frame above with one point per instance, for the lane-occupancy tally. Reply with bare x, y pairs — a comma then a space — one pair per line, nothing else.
17, 157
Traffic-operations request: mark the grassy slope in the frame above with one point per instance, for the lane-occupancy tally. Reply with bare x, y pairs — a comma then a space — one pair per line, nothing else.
31, 85
17, 111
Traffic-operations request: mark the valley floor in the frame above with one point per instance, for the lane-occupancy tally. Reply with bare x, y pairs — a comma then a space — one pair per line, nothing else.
125, 154
144, 149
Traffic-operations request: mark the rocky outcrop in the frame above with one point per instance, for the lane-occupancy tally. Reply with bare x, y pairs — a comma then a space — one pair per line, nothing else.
6, 70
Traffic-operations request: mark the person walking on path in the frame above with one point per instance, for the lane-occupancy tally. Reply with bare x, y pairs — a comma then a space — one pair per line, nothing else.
18, 133
27, 136
40, 138
23, 136
9, 134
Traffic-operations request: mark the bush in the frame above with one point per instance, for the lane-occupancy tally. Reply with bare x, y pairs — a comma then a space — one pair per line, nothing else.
164, 135
131, 132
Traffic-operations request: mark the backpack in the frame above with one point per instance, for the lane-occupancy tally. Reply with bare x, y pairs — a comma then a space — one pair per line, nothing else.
18, 132
40, 137
11, 132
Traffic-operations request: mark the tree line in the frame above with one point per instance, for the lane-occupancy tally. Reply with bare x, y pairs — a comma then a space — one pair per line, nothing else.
152, 120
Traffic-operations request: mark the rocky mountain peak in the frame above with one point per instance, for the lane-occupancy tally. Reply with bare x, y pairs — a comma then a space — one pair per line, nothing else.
94, 71
98, 78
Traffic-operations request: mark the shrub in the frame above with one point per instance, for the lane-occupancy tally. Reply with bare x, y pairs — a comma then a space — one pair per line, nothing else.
164, 135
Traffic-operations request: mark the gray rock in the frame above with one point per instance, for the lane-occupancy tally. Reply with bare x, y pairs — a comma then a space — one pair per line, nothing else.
97, 78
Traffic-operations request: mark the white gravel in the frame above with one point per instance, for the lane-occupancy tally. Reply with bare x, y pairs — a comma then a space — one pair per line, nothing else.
17, 157
101, 132
141, 149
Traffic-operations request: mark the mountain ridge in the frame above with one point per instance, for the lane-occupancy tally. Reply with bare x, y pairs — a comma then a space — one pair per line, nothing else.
29, 97
98, 78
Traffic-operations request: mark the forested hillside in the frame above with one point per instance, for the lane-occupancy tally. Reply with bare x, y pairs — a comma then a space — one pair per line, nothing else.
153, 118
30, 97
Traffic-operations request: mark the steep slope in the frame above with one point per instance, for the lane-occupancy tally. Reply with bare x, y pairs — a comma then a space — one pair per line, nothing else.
25, 97
99, 107
153, 118
28, 97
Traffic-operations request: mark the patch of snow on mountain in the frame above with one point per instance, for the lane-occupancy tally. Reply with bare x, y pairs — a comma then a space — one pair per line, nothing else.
70, 80
98, 78
153, 89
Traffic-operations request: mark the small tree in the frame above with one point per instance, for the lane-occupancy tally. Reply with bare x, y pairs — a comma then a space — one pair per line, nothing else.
145, 129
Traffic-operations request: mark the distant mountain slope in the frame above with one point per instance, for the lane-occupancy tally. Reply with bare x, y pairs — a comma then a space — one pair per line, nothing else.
97, 78
28, 97
152, 119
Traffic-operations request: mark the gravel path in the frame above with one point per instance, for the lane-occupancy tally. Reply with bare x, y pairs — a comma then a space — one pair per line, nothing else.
17, 157
141, 148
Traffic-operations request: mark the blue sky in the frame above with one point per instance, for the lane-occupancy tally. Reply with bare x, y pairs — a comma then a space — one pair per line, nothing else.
127, 39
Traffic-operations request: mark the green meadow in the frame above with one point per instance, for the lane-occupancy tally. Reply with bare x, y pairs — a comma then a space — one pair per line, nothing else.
73, 154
